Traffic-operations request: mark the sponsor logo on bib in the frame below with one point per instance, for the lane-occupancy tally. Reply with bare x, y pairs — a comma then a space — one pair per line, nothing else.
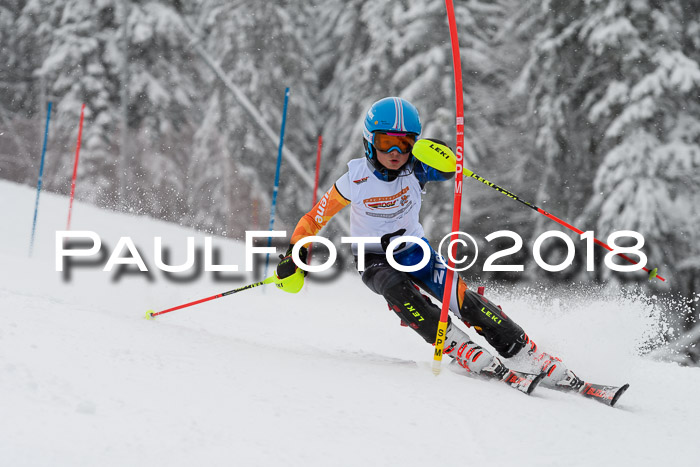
387, 202
361, 180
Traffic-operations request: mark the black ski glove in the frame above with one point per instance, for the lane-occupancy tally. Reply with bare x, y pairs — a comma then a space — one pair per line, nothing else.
286, 266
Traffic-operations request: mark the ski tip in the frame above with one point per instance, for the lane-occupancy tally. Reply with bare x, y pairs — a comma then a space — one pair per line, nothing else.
149, 315
618, 394
535, 382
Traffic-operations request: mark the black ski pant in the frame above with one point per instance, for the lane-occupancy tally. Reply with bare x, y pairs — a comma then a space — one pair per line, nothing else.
419, 313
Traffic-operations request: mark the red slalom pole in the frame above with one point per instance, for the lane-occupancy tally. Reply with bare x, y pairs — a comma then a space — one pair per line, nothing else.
315, 198
457, 206
75, 166
150, 314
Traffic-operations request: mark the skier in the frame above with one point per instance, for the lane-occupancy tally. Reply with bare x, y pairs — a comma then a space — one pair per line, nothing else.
384, 189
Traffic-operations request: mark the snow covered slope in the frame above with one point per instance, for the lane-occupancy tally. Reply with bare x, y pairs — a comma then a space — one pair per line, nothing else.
325, 377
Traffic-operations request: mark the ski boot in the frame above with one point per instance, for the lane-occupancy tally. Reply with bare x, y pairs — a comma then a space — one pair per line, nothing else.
476, 360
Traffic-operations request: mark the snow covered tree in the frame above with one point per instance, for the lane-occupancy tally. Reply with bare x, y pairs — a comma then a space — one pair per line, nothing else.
165, 108
82, 62
261, 49
614, 92
649, 180
20, 91
20, 36
557, 79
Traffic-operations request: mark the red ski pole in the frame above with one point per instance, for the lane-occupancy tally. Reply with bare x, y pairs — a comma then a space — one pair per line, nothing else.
468, 173
150, 314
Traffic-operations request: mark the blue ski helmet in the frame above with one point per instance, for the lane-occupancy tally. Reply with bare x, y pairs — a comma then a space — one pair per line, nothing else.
389, 115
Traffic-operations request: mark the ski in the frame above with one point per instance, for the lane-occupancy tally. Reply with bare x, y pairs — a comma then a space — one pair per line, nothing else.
603, 393
523, 382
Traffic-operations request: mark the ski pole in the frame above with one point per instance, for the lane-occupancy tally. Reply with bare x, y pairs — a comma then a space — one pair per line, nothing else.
437, 155
469, 173
150, 314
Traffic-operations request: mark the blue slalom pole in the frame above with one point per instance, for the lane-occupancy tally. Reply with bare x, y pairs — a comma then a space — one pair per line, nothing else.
277, 177
38, 185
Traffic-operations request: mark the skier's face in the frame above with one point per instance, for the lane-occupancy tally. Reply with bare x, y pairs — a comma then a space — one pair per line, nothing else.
393, 160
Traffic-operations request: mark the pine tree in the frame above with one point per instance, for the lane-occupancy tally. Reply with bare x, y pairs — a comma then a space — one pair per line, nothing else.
79, 66
165, 108
614, 88
82, 62
261, 48
20, 91
649, 180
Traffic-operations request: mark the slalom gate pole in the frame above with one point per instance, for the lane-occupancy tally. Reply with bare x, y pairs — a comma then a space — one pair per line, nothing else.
315, 197
457, 206
75, 166
468, 173
277, 176
150, 314
39, 182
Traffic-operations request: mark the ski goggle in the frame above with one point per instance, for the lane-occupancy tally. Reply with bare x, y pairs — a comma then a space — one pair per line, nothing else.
386, 142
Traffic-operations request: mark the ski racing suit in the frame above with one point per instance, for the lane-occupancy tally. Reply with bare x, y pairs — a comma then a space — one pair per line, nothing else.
390, 209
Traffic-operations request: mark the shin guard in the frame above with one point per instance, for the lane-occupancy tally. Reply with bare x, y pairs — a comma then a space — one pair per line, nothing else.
490, 321
414, 309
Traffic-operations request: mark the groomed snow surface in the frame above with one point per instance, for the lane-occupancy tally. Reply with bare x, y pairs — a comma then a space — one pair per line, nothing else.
326, 377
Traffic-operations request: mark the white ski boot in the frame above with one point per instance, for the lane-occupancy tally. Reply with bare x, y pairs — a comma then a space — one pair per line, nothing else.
476, 360
556, 373
467, 354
